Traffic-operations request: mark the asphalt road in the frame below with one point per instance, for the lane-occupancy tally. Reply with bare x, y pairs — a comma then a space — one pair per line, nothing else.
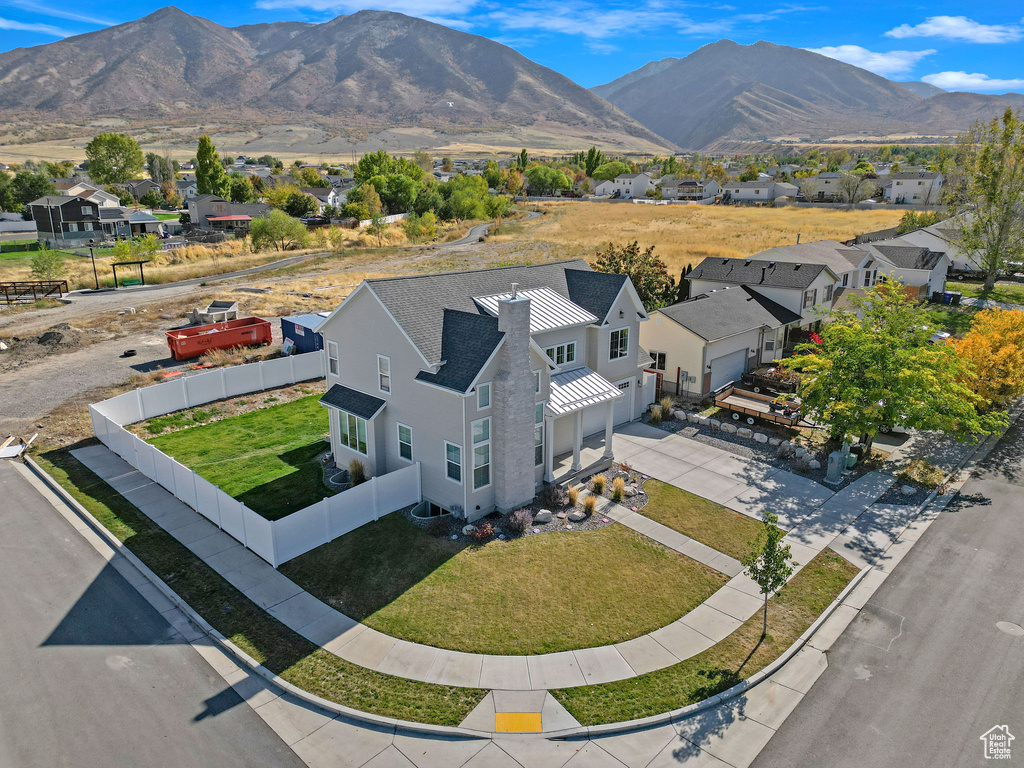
926, 668
90, 674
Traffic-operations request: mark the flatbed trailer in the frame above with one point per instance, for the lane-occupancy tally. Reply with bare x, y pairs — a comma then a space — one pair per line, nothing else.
752, 406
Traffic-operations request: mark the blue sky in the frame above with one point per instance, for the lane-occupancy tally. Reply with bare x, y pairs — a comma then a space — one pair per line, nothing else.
977, 47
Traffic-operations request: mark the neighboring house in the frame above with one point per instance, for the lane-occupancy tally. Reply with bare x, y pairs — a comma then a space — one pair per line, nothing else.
216, 213
101, 197
920, 187
143, 223
483, 377
921, 270
758, 191
630, 185
604, 188
692, 190
941, 237
140, 187
186, 188
825, 187
703, 344
779, 170
63, 221
804, 289
325, 196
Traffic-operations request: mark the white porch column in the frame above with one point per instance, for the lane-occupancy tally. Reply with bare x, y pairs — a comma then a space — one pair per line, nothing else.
577, 441
610, 419
549, 449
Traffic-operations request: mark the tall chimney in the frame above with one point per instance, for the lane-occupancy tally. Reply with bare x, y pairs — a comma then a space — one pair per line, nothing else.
514, 398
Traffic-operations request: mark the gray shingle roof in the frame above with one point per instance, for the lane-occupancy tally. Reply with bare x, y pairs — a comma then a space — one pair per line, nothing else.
834, 255
353, 401
728, 311
467, 343
909, 257
776, 274
55, 200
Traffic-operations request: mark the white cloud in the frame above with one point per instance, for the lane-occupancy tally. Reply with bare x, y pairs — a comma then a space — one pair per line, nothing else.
960, 28
421, 8
57, 13
885, 64
43, 29
972, 81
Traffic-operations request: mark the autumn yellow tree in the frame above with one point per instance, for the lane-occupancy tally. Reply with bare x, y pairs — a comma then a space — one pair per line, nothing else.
994, 347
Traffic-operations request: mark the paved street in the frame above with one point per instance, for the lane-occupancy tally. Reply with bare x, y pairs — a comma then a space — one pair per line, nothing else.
936, 658
91, 674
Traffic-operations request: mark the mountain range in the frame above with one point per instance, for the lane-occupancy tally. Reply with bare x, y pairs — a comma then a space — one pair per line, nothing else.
724, 95
377, 76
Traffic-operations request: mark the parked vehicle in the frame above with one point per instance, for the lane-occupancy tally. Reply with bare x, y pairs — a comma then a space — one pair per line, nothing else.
751, 406
771, 380
191, 342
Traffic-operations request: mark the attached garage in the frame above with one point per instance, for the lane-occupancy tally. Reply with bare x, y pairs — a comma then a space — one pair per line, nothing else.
624, 405
728, 368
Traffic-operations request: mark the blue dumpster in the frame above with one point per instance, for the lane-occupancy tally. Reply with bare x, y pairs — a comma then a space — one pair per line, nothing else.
299, 329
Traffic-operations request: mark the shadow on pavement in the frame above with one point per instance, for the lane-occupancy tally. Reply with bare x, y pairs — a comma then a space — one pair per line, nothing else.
215, 705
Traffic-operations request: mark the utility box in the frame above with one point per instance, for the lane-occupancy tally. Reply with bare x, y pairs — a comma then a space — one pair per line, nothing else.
299, 330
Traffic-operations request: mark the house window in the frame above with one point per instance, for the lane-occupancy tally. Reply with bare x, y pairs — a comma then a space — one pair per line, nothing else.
536, 382
619, 346
810, 298
481, 454
384, 373
332, 358
353, 432
405, 442
846, 279
769, 345
867, 279
659, 361
72, 227
483, 396
453, 461
87, 210
828, 293
538, 435
562, 354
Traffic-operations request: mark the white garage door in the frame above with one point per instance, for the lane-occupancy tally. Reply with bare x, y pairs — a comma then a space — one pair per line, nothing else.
624, 405
727, 368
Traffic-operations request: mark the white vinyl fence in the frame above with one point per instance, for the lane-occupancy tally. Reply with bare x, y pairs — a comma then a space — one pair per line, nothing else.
275, 541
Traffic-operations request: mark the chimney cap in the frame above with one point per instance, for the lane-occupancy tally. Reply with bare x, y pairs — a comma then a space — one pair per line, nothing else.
515, 290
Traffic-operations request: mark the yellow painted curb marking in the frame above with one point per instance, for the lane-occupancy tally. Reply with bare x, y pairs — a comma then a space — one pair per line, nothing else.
517, 722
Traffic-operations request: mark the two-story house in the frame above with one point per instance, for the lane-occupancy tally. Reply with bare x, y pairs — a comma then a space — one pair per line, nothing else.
63, 220
218, 214
483, 377
325, 196
691, 190
760, 191
626, 185
920, 187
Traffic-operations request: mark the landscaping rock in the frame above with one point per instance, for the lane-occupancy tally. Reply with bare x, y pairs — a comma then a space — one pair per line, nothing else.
760, 437
745, 432
801, 452
692, 418
814, 464
542, 517
703, 420
714, 423
908, 490
468, 530
679, 416
630, 491
561, 515
729, 429
785, 451
577, 517
775, 442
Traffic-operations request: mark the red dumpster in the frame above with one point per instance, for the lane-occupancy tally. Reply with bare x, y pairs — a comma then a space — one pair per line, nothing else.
243, 332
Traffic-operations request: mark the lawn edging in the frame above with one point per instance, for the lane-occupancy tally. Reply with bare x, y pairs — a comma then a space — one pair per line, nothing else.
665, 718
225, 644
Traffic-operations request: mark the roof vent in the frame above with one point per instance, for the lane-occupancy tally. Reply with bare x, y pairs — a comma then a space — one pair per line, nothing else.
515, 291
771, 265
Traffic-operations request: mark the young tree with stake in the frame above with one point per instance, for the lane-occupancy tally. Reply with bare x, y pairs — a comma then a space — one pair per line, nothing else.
769, 562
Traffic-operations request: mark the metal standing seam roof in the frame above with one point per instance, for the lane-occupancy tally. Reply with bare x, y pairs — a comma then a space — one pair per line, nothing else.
574, 390
548, 310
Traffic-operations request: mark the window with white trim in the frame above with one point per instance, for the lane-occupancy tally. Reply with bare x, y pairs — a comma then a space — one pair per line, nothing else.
867, 279
87, 210
353, 432
405, 442
659, 361
562, 353
333, 366
828, 293
483, 396
536, 382
619, 345
538, 434
810, 298
453, 462
481, 453
384, 373
846, 279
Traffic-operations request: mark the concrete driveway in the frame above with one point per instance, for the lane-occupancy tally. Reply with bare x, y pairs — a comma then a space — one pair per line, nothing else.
744, 485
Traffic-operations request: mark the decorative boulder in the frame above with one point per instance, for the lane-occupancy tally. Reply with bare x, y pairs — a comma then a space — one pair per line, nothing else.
577, 517
630, 490
692, 418
908, 490
814, 464
679, 416
703, 420
775, 442
468, 530
785, 451
542, 517
714, 423
745, 432
729, 429
760, 437
801, 452
561, 515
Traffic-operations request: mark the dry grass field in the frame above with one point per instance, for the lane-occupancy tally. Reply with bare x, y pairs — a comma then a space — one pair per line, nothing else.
685, 234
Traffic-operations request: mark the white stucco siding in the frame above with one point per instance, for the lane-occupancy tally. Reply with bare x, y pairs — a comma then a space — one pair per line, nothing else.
362, 331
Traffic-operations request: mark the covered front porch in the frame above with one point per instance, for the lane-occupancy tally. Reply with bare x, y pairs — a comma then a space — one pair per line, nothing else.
578, 400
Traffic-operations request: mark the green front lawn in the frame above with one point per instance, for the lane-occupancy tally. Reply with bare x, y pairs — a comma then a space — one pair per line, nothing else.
1011, 294
167, 216
536, 594
248, 626
700, 519
265, 458
954, 320
723, 665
